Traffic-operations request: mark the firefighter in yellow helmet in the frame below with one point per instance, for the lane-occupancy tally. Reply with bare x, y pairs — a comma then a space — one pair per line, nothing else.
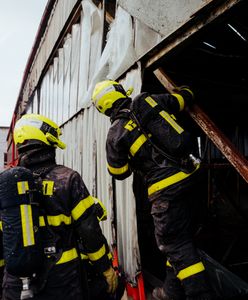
70, 213
33, 129
146, 137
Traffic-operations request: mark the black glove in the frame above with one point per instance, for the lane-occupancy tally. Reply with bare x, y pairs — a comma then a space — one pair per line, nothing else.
186, 93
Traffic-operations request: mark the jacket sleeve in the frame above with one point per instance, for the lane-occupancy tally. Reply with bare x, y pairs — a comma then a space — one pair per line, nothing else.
176, 101
117, 153
87, 226
172, 103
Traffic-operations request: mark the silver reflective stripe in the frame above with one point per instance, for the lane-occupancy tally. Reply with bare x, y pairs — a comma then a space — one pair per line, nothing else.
106, 90
172, 122
22, 187
27, 225
29, 122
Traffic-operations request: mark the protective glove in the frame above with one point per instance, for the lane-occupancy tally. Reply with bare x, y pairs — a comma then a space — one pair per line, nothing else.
186, 93
112, 280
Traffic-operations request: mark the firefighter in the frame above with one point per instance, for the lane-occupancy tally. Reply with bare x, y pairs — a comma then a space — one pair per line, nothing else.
69, 213
145, 137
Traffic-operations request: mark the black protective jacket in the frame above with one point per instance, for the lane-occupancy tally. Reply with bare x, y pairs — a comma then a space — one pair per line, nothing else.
130, 146
70, 213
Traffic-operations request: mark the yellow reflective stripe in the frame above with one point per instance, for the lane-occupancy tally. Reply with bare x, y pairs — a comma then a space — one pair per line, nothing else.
151, 101
110, 256
41, 221
2, 262
81, 207
84, 256
22, 187
27, 225
130, 125
137, 144
98, 254
118, 171
191, 270
1, 225
47, 187
168, 264
67, 256
169, 181
172, 122
55, 220
188, 90
180, 101
165, 115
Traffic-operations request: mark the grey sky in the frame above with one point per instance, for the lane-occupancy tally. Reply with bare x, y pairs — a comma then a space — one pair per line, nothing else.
19, 22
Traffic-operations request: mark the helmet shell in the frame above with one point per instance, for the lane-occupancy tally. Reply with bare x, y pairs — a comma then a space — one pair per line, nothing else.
106, 93
35, 127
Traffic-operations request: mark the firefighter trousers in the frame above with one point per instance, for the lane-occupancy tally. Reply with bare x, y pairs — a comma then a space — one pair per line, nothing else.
173, 214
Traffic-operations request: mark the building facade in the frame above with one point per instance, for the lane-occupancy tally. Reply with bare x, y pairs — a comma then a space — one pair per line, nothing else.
3, 147
200, 44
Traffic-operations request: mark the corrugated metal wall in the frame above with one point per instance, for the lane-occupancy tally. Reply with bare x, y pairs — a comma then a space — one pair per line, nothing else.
58, 18
64, 96
66, 88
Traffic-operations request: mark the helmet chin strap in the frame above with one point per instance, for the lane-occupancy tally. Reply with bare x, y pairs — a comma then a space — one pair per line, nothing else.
54, 141
129, 91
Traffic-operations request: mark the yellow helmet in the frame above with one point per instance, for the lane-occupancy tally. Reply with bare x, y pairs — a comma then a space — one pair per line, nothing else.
106, 93
35, 127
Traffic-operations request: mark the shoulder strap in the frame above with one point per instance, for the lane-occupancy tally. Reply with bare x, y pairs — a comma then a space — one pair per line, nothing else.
160, 151
39, 174
50, 244
121, 114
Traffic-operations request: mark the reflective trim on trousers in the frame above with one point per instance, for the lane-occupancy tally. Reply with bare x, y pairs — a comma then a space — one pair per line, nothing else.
157, 186
191, 270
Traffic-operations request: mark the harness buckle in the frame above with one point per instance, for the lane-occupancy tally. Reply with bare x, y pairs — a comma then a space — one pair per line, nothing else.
50, 250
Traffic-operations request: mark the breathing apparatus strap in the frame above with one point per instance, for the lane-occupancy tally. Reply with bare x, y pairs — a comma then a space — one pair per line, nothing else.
39, 175
169, 157
52, 256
